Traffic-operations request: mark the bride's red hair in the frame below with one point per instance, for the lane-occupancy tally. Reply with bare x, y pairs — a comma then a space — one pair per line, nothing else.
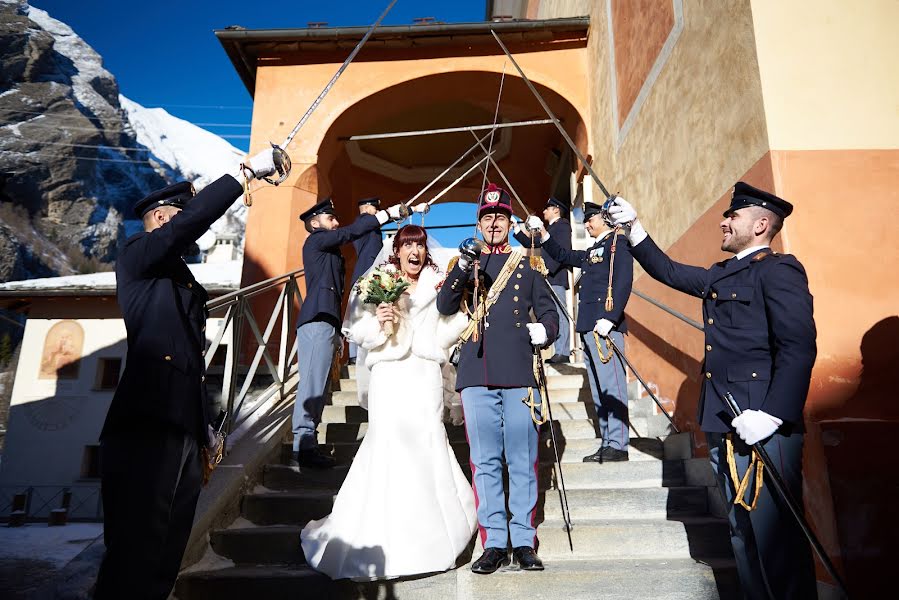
410, 234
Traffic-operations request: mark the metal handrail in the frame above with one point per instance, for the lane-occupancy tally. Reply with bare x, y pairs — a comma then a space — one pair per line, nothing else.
240, 315
668, 310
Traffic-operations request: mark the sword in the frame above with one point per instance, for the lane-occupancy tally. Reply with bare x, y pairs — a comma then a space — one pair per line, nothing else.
553, 117
282, 160
458, 179
563, 494
776, 480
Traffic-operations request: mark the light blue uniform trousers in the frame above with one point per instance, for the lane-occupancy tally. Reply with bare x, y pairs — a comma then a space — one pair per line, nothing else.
562, 345
608, 384
497, 422
315, 343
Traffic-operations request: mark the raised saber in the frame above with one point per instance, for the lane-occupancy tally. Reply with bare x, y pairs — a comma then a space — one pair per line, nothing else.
282, 160
505, 179
458, 179
446, 170
775, 478
553, 118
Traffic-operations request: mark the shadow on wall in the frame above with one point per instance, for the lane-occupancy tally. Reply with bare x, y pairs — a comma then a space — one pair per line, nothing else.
858, 438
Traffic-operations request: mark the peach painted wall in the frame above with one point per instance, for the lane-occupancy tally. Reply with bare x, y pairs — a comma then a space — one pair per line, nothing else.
274, 236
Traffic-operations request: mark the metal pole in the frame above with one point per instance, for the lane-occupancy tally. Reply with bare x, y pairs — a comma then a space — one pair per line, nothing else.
775, 478
642, 382
399, 134
553, 117
457, 180
445, 171
506, 180
346, 63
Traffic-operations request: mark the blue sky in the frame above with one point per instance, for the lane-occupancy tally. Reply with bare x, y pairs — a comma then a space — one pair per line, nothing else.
164, 53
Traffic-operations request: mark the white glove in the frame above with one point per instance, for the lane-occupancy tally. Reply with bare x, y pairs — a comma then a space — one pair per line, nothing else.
622, 212
538, 333
258, 166
422, 207
603, 327
457, 417
516, 225
395, 212
464, 262
755, 425
534, 223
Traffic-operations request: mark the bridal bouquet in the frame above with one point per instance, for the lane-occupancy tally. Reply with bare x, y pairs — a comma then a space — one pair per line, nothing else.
382, 286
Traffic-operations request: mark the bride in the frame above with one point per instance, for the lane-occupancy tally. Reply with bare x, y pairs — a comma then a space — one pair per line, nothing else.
405, 507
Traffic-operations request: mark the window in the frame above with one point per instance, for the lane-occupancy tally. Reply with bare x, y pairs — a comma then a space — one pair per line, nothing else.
108, 373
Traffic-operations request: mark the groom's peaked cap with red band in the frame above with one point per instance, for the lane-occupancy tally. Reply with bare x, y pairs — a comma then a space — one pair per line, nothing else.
493, 199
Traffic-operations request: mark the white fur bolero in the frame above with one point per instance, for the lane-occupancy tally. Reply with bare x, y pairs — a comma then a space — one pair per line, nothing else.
421, 329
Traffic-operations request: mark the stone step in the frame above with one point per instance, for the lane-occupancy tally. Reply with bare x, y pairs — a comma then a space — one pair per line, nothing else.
577, 475
645, 503
576, 369
349, 413
554, 382
572, 451
689, 537
351, 398
330, 432
291, 497
614, 579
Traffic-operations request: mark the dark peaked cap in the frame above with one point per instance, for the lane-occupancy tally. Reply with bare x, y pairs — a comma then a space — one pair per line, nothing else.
745, 195
177, 195
590, 209
325, 207
374, 201
560, 204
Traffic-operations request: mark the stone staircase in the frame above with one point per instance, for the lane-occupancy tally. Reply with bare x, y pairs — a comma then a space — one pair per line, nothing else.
642, 529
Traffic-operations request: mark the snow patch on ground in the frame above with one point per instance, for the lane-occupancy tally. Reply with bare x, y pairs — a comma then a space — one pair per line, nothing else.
57, 545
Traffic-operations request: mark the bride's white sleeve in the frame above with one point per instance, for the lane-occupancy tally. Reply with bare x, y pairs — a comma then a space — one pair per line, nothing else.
449, 328
361, 325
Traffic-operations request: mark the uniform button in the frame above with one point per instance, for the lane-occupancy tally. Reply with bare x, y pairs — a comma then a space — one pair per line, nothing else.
755, 374
203, 353
516, 311
486, 324
708, 348
514, 298
708, 375
518, 275
521, 266
190, 285
711, 321
203, 328
202, 378
516, 286
600, 259
167, 357
734, 295
714, 295
517, 324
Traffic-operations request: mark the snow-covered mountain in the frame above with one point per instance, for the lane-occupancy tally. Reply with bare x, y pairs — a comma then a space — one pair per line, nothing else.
75, 155
187, 152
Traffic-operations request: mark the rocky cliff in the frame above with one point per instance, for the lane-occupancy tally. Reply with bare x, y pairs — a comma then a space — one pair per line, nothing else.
74, 154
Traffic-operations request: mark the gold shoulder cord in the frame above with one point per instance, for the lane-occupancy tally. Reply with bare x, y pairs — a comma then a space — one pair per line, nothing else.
247, 197
754, 461
493, 293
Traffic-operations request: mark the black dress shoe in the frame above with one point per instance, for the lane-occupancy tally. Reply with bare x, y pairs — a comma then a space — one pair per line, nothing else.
314, 459
610, 454
491, 560
595, 457
526, 559
558, 359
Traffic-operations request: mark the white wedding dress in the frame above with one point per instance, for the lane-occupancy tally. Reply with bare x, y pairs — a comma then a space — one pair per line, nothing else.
405, 507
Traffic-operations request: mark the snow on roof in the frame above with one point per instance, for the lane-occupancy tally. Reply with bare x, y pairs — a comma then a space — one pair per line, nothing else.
213, 276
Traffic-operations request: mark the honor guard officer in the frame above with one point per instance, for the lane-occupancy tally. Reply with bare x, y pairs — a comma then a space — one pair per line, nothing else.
760, 347
496, 379
607, 274
320, 317
367, 248
150, 459
556, 216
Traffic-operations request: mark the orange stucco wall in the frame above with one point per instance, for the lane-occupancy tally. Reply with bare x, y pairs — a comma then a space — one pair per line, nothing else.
844, 232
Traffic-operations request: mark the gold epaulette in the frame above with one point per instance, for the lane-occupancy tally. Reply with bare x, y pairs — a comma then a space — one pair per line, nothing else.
537, 264
452, 263
763, 255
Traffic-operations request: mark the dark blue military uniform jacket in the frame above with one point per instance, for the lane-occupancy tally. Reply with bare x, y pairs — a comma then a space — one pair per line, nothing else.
164, 309
367, 248
325, 270
594, 263
759, 331
560, 231
503, 356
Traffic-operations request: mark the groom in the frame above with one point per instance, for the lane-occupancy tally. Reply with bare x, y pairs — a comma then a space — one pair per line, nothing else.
496, 378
